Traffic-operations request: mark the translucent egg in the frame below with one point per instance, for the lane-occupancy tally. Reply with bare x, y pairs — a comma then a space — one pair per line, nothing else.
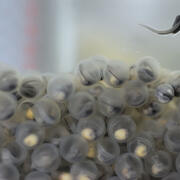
107, 150
90, 71
32, 87
85, 170
25, 110
46, 111
148, 69
61, 87
164, 93
73, 148
158, 164
81, 105
9, 80
140, 146
29, 134
116, 73
121, 128
111, 102
128, 167
136, 93
45, 158
91, 128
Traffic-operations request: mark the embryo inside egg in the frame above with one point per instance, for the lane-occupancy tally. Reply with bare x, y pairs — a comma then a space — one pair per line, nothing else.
108, 126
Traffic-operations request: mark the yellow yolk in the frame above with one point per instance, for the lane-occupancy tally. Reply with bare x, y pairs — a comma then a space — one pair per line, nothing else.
83, 177
156, 168
61, 96
121, 134
88, 134
65, 176
30, 114
113, 80
31, 140
91, 151
141, 150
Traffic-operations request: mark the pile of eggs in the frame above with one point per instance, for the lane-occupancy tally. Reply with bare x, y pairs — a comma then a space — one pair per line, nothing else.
104, 121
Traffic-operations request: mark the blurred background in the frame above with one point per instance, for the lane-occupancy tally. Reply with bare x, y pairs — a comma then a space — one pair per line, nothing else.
53, 35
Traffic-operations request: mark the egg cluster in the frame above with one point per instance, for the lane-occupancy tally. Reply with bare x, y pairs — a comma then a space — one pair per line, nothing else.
104, 121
